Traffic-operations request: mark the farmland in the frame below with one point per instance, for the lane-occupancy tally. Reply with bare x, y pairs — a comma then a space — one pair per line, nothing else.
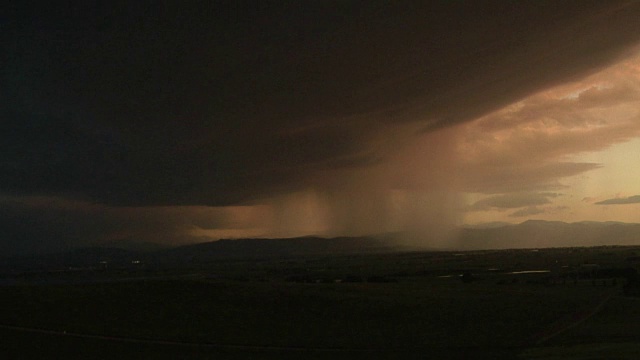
515, 303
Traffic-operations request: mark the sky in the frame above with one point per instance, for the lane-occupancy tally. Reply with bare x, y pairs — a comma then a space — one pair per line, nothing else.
173, 123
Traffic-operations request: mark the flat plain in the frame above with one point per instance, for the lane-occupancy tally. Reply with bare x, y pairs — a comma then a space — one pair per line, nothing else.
528, 303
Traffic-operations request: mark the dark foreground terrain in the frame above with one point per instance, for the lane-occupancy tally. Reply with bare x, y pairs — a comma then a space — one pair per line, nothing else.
571, 303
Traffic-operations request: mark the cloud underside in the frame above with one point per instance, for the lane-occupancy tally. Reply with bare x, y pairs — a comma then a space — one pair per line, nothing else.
182, 113
511, 201
213, 122
520, 204
534, 140
621, 201
52, 224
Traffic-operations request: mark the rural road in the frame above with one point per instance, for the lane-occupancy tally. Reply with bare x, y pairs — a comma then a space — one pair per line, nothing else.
572, 320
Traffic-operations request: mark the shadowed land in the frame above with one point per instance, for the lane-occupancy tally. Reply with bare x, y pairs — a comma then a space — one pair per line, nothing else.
412, 304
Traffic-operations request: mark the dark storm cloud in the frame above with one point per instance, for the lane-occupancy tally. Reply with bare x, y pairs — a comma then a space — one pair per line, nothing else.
144, 103
621, 201
46, 224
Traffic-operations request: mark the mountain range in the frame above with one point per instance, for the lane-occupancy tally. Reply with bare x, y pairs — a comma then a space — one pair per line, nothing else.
543, 234
529, 234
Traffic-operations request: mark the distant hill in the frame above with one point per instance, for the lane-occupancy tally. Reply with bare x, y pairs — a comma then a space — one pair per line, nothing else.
92, 257
540, 234
487, 225
255, 248
529, 234
77, 258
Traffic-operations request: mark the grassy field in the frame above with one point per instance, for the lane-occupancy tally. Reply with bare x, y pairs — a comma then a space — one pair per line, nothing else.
411, 304
611, 333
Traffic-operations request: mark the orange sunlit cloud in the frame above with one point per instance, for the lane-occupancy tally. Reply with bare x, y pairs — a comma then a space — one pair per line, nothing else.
525, 150
542, 142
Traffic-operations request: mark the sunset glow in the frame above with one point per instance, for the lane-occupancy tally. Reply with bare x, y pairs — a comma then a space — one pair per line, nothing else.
188, 125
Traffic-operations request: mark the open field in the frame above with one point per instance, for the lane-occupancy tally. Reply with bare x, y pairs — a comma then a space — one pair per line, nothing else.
611, 333
382, 305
